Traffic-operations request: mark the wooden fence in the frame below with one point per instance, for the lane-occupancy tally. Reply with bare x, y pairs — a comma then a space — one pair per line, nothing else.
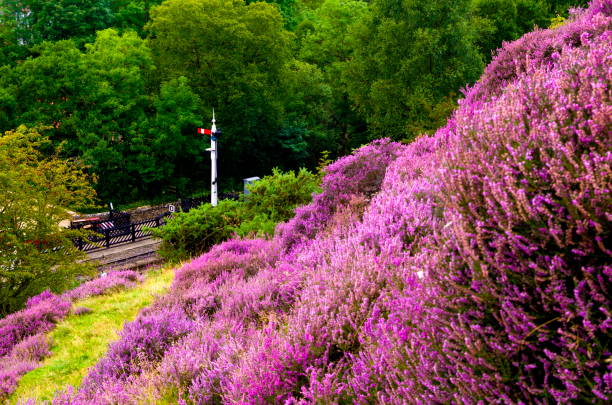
118, 229
105, 238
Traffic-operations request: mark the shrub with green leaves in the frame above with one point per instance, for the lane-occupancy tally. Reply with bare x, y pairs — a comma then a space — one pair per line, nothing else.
271, 200
36, 187
194, 232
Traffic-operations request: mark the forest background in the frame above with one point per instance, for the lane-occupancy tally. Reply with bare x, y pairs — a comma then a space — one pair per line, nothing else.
120, 86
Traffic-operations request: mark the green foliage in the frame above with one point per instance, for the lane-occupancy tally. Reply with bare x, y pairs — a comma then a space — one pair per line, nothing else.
306, 101
233, 55
288, 10
325, 47
177, 153
271, 200
132, 14
411, 58
505, 20
288, 79
97, 99
561, 7
35, 253
188, 234
324, 161
52, 20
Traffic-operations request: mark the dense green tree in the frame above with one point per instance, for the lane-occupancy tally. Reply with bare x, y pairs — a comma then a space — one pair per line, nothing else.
561, 7
10, 49
109, 123
497, 21
326, 44
303, 134
289, 10
36, 189
39, 20
411, 59
132, 14
233, 55
94, 100
178, 154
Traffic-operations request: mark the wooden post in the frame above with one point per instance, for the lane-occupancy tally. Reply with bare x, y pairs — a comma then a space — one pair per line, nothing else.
107, 238
133, 233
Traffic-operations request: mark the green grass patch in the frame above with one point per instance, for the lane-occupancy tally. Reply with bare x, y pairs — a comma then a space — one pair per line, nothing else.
79, 341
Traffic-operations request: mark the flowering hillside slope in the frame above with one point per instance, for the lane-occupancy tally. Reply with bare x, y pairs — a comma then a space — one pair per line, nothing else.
470, 267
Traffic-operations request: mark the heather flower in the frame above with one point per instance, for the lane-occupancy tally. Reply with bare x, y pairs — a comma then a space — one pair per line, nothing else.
33, 348
359, 174
40, 316
11, 369
112, 281
37, 299
81, 310
141, 342
472, 266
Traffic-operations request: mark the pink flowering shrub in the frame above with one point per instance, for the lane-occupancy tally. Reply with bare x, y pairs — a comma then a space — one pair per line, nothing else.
23, 357
108, 283
33, 348
37, 299
39, 316
360, 173
539, 48
472, 266
528, 195
81, 310
11, 370
22, 334
141, 343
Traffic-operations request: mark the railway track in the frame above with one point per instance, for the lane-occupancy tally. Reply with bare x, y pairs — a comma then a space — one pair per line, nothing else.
127, 256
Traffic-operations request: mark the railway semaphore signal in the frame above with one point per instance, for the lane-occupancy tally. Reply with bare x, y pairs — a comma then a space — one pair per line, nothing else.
214, 133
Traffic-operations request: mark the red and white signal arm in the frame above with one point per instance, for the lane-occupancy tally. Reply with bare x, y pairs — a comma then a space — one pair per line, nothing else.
204, 131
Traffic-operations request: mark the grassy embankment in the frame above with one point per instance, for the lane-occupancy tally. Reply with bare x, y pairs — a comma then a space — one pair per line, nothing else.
79, 341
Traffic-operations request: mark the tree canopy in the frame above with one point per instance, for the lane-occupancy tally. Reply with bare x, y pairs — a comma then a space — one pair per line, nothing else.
36, 186
124, 84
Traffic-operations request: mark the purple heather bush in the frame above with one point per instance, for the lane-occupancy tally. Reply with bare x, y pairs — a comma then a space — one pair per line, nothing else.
81, 310
22, 334
528, 195
39, 316
141, 343
11, 370
33, 348
472, 266
23, 357
358, 174
37, 299
538, 48
112, 281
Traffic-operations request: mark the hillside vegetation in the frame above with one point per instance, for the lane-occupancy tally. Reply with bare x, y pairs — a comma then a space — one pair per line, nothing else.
470, 266
101, 101
124, 84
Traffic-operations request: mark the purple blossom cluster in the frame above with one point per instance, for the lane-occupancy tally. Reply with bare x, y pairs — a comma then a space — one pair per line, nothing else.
22, 340
528, 198
358, 174
479, 273
538, 48
105, 284
22, 334
39, 316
